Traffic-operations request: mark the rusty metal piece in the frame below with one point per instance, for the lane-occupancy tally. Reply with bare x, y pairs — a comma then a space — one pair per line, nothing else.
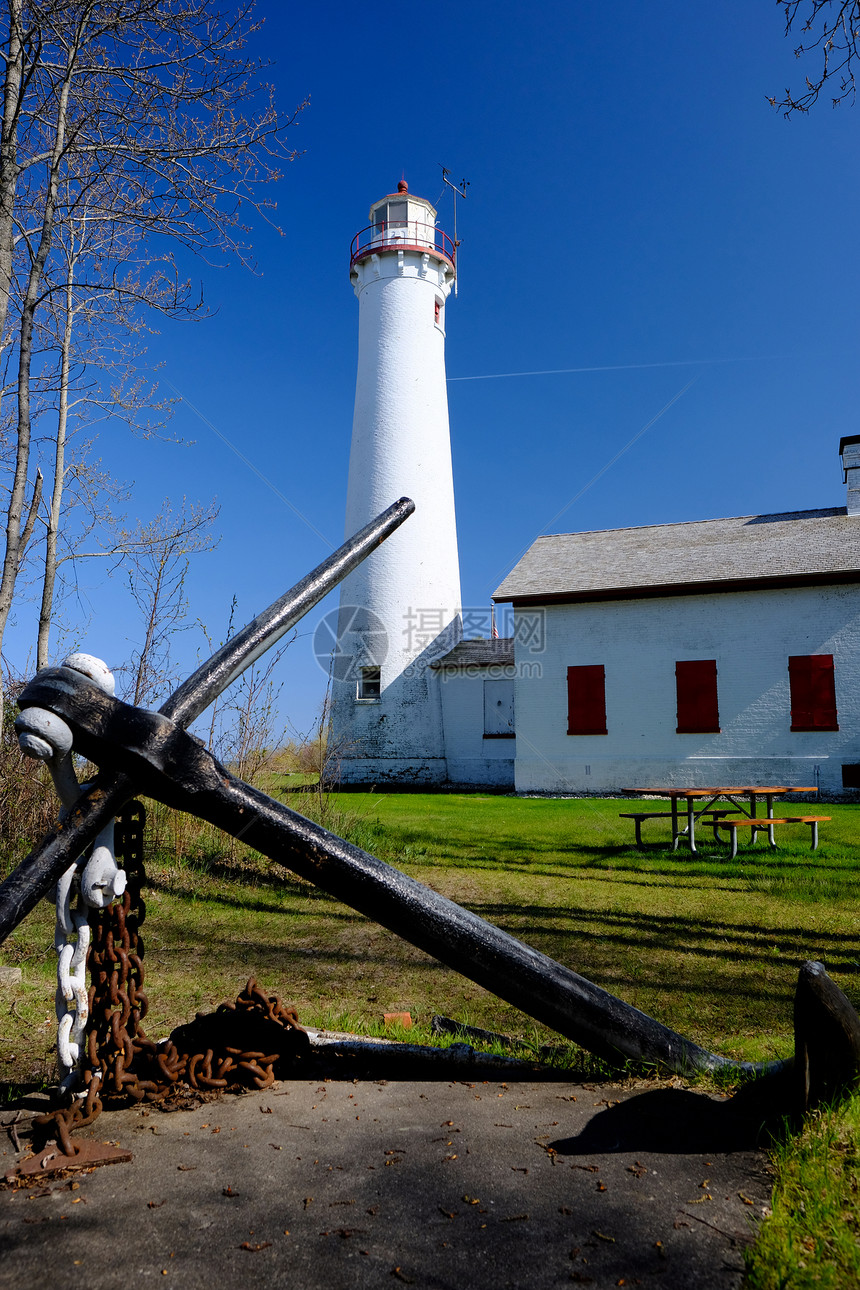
54, 1160
241, 1043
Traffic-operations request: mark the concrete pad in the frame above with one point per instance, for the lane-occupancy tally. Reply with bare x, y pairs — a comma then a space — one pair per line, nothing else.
342, 1184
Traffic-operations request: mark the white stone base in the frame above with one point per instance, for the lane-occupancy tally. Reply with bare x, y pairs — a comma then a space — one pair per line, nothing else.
536, 775
494, 772
393, 770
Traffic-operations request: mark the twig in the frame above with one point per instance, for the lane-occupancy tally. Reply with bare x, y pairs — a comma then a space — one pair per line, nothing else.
730, 1236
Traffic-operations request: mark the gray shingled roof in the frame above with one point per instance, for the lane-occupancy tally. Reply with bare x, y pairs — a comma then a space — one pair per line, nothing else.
497, 653
752, 550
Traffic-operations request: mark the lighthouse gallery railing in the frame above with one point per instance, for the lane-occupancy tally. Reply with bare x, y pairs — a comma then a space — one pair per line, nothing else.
402, 235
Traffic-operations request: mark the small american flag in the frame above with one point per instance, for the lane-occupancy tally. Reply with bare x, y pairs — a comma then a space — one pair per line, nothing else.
494, 631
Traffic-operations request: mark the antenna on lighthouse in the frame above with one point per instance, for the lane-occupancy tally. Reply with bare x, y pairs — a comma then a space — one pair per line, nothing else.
459, 190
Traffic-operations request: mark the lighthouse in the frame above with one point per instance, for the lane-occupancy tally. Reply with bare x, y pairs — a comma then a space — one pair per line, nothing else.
400, 610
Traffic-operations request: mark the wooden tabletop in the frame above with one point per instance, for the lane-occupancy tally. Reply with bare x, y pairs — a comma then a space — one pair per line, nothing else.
721, 790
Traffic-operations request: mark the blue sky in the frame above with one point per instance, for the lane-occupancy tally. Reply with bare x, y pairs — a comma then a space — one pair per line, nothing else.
636, 209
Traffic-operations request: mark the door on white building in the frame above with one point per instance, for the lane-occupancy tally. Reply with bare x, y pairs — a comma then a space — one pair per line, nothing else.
498, 708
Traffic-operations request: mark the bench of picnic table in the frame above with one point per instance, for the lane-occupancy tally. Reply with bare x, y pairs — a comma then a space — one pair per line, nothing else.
765, 825
639, 816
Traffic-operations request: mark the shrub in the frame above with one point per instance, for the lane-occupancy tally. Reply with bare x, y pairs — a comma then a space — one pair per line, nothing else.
28, 806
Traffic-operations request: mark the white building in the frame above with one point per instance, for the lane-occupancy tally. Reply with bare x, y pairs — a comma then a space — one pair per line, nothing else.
400, 609
477, 679
716, 652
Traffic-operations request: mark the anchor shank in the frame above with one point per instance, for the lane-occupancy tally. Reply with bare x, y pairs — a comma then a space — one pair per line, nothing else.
230, 661
38, 872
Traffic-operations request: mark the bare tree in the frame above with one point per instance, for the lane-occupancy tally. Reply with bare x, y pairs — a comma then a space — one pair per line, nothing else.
829, 30
92, 322
149, 116
158, 554
252, 732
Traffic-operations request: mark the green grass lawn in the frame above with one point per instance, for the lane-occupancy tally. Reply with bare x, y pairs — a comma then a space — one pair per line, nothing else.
708, 946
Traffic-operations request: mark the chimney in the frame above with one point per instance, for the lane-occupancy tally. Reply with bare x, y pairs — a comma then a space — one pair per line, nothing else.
849, 451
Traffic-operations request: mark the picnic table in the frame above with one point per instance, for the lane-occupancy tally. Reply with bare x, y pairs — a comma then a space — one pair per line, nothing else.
698, 802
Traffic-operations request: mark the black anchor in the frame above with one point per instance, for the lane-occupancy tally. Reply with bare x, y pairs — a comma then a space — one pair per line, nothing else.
151, 752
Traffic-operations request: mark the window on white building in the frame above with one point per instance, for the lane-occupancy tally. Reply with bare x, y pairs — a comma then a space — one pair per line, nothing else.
813, 692
391, 213
369, 683
696, 691
586, 700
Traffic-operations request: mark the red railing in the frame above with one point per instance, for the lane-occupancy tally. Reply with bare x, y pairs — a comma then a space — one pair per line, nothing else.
405, 235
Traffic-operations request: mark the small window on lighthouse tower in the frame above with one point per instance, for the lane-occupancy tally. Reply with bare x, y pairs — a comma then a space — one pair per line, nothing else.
369, 683
398, 212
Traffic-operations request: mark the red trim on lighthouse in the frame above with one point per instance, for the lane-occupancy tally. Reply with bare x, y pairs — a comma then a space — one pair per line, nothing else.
377, 240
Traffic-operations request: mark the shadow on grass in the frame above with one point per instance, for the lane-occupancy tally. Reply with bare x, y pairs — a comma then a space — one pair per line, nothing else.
707, 860
598, 956
254, 905
669, 930
264, 957
710, 939
638, 868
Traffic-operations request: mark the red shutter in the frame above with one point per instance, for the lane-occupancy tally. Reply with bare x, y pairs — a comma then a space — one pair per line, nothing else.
586, 700
813, 692
696, 687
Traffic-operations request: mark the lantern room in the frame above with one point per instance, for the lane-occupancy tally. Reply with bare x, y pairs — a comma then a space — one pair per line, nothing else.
402, 222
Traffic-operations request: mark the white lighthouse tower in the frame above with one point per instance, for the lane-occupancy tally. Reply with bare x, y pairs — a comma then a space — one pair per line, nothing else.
400, 610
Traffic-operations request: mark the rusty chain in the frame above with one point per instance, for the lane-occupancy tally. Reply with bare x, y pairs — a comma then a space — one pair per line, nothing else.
240, 1044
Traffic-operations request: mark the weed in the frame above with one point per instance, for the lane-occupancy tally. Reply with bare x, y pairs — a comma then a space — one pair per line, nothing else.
812, 1236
